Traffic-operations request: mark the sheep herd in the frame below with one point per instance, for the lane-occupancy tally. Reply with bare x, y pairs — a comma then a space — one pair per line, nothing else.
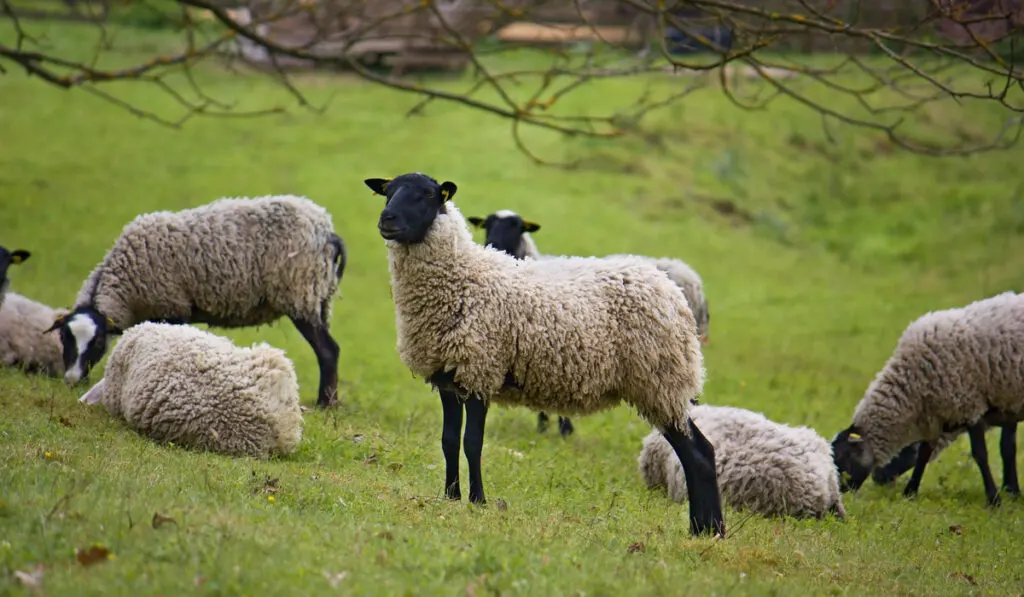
494, 323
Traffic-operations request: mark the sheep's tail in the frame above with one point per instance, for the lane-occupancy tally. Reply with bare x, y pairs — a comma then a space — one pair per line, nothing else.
340, 255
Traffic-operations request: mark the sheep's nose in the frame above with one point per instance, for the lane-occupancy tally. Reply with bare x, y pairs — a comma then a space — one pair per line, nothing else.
387, 217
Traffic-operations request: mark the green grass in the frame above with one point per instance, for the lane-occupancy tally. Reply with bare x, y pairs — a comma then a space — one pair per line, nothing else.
815, 257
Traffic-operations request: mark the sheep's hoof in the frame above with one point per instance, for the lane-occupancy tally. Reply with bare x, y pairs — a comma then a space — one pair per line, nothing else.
1012, 491
910, 492
453, 493
995, 501
565, 427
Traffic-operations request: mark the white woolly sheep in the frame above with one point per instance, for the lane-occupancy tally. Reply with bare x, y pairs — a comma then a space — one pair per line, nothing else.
953, 369
22, 341
571, 335
178, 383
235, 262
8, 258
763, 466
507, 231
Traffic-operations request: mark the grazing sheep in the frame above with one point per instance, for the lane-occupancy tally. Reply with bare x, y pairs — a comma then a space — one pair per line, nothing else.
178, 383
235, 262
22, 342
952, 369
8, 258
572, 335
507, 231
763, 466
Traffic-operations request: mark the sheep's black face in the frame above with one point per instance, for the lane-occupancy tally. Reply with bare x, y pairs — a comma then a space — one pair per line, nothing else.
505, 231
853, 459
412, 203
7, 259
83, 337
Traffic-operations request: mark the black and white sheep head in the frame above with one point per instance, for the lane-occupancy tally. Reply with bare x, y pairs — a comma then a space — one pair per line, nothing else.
412, 203
83, 336
505, 229
7, 259
853, 457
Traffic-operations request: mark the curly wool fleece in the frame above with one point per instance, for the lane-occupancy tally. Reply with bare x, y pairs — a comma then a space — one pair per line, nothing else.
22, 342
234, 262
577, 334
949, 369
763, 466
180, 384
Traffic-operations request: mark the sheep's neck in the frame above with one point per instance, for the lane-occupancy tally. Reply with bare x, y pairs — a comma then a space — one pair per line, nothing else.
433, 268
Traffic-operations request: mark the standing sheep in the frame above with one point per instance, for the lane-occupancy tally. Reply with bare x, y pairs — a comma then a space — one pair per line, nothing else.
22, 341
575, 335
7, 259
507, 231
178, 383
953, 369
763, 466
235, 262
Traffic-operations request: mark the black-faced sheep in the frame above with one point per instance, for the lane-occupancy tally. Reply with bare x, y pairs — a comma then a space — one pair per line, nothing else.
952, 370
7, 259
235, 262
571, 335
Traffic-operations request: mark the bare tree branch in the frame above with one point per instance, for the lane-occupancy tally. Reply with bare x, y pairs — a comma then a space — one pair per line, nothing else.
866, 65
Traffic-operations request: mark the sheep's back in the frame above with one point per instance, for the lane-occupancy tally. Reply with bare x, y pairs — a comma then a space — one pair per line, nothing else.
231, 263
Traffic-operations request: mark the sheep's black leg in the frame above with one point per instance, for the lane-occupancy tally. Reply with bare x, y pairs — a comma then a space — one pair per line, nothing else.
697, 456
980, 454
1008, 451
901, 463
924, 454
565, 426
326, 350
542, 422
476, 417
452, 426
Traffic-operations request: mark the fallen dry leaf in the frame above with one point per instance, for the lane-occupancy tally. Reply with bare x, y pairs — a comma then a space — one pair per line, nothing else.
962, 576
96, 553
160, 520
31, 580
956, 529
636, 547
396, 466
370, 459
502, 504
64, 421
386, 535
199, 581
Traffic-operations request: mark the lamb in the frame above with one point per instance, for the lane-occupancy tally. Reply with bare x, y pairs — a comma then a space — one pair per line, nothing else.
509, 232
181, 384
7, 259
573, 334
22, 342
235, 262
952, 369
763, 466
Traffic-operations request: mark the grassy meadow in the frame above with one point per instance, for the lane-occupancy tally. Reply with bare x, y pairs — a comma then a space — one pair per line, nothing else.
815, 253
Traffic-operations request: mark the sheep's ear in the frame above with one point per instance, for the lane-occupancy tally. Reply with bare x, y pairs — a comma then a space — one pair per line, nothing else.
56, 324
378, 185
95, 393
19, 256
448, 189
476, 221
530, 226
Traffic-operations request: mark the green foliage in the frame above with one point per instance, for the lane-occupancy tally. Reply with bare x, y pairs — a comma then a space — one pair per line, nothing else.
815, 255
